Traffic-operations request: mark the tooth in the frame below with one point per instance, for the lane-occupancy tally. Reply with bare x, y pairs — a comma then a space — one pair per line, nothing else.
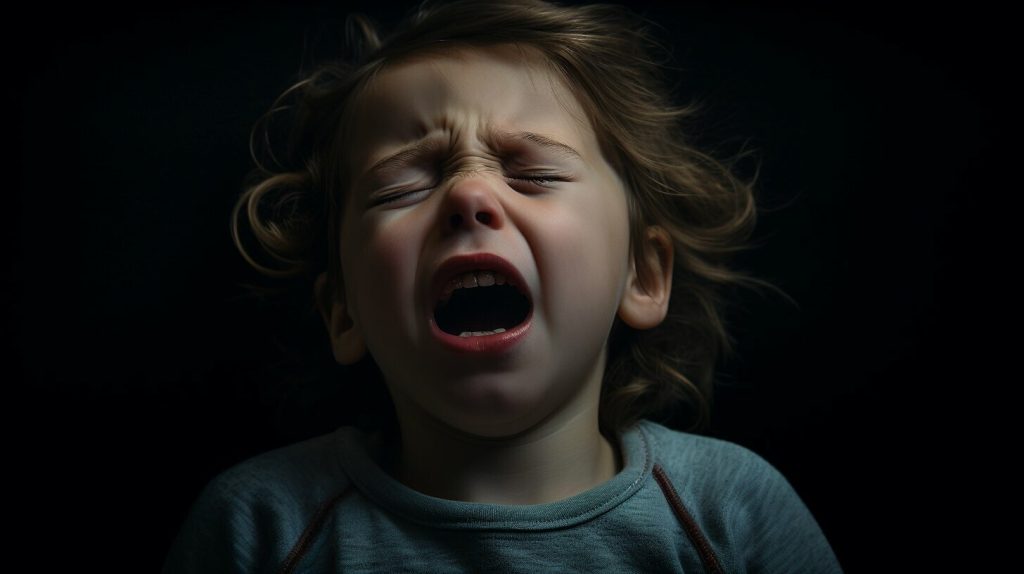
481, 333
480, 278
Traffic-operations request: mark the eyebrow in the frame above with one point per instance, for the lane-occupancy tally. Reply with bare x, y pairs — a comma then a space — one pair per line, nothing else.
409, 153
560, 149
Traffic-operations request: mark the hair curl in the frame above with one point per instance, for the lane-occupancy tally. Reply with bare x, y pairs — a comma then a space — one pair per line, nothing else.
293, 207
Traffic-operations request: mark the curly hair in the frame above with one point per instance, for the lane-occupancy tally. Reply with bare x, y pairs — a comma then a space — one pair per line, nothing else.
608, 56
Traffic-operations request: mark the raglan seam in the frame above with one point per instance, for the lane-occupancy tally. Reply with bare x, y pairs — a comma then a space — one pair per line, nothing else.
298, 551
690, 526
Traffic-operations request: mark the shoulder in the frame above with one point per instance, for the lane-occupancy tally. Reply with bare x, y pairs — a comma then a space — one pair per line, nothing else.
714, 470
287, 482
743, 502
720, 462
307, 468
250, 515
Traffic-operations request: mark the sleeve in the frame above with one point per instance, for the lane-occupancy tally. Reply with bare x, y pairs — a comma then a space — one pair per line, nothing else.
775, 529
216, 535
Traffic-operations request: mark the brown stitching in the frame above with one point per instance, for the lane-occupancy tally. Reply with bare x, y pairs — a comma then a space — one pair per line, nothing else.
307, 536
707, 554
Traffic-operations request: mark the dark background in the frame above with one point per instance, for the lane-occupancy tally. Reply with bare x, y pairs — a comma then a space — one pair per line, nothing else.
146, 372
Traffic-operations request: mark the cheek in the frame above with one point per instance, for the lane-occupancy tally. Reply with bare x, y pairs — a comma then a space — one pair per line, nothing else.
382, 263
606, 218
590, 241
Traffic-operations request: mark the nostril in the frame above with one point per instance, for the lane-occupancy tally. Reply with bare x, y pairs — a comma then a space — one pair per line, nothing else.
483, 217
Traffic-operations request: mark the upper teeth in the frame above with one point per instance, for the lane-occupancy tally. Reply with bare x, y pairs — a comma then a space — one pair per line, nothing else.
470, 280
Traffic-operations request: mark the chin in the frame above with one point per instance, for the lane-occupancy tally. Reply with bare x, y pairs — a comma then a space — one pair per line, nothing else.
494, 430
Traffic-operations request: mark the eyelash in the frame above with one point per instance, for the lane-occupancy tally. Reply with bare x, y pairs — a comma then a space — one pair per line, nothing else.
542, 181
538, 179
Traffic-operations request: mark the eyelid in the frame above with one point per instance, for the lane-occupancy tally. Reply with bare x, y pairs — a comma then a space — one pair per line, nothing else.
393, 197
538, 178
542, 180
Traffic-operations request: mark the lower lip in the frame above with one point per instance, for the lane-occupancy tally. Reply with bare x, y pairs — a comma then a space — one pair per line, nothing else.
484, 344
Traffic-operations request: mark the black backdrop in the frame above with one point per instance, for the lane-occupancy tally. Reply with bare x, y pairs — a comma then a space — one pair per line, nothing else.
148, 374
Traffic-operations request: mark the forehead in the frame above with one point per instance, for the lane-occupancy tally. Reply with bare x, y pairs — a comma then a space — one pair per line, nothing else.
465, 92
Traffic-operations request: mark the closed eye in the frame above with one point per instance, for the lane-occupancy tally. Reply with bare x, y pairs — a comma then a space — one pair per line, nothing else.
542, 181
538, 180
396, 196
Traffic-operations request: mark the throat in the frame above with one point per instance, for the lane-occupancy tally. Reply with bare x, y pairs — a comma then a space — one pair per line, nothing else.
482, 309
526, 470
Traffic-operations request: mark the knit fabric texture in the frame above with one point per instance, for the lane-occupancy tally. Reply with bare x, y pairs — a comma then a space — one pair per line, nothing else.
681, 503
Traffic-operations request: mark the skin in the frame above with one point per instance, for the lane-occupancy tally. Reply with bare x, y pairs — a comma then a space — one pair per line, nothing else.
521, 428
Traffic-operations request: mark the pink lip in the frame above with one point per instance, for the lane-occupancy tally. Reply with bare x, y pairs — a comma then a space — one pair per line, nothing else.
498, 343
459, 264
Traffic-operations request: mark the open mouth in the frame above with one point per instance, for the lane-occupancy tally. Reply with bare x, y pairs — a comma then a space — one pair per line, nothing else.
480, 303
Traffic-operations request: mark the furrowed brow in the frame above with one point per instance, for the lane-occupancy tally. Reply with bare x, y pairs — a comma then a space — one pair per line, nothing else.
404, 157
416, 150
560, 149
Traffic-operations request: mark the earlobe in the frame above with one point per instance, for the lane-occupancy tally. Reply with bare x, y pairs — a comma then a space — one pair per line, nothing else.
347, 341
645, 300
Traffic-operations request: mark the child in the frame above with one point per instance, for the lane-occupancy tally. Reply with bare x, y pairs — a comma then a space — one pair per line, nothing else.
496, 208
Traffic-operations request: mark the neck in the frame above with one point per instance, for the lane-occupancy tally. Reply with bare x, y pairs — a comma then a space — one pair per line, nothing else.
553, 460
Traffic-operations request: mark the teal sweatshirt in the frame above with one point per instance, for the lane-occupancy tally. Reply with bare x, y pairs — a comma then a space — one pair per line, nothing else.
682, 503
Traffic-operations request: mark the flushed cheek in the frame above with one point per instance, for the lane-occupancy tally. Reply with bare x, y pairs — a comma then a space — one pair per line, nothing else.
584, 272
385, 290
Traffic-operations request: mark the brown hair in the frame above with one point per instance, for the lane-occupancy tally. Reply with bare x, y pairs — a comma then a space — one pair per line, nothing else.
606, 55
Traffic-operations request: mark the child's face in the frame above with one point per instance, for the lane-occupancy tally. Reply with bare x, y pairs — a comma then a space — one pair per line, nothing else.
568, 239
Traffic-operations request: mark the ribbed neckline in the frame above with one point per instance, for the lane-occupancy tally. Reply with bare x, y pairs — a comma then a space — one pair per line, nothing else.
382, 489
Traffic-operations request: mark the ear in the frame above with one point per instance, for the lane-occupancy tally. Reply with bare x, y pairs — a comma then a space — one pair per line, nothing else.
346, 340
645, 301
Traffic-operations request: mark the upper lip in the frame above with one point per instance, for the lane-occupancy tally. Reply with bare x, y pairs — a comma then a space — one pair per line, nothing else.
459, 264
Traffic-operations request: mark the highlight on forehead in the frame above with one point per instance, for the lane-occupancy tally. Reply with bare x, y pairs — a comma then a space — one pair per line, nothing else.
534, 61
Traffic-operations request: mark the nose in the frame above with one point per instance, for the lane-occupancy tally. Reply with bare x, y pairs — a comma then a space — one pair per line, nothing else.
471, 204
